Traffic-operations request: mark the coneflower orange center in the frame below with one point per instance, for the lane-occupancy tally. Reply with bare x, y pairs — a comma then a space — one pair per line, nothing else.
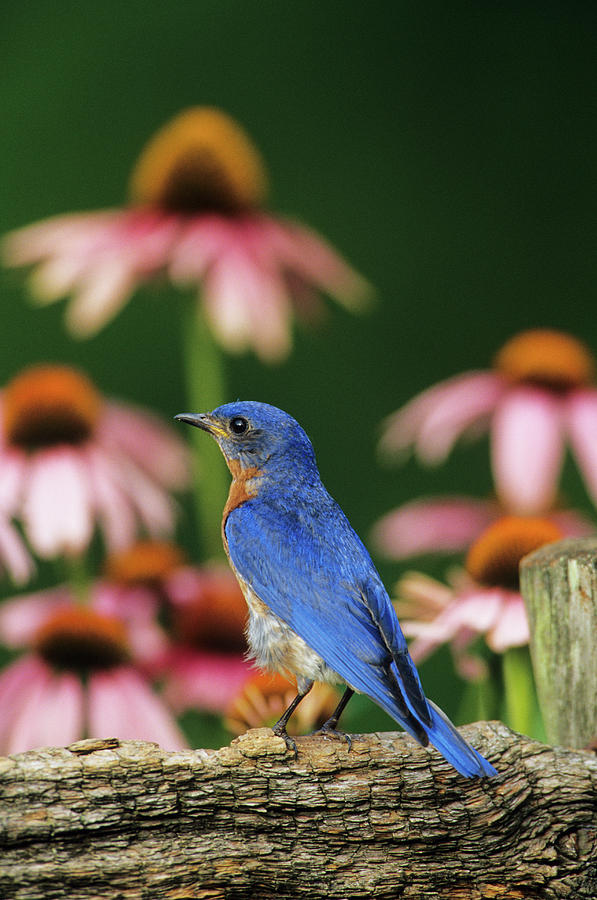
265, 696
47, 405
201, 161
82, 640
146, 562
262, 700
549, 358
216, 618
494, 558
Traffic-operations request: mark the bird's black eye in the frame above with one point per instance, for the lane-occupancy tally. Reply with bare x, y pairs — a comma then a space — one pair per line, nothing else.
238, 425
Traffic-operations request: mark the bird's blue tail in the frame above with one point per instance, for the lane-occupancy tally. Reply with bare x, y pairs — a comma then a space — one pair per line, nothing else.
438, 728
450, 743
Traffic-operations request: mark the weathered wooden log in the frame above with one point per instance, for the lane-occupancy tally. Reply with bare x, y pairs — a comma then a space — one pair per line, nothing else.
387, 819
559, 586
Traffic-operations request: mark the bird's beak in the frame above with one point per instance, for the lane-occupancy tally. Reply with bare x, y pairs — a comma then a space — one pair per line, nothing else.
203, 421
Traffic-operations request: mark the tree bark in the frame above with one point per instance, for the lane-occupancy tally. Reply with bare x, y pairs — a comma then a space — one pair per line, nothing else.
125, 820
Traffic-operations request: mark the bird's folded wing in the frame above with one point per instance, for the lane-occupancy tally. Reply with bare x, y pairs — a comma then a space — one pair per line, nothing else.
325, 587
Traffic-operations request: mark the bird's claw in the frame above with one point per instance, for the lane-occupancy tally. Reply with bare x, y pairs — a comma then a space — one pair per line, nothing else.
329, 730
280, 731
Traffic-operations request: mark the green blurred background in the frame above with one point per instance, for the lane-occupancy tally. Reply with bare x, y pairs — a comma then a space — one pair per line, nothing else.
446, 149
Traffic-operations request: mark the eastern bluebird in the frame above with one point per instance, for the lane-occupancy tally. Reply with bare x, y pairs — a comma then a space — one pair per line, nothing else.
317, 606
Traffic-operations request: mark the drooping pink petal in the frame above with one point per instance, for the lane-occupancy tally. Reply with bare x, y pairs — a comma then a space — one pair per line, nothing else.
266, 317
204, 680
154, 506
16, 682
113, 508
511, 628
248, 265
467, 408
13, 472
269, 308
22, 616
433, 525
421, 597
13, 553
469, 666
121, 704
56, 719
480, 607
137, 606
435, 419
49, 712
57, 506
307, 254
306, 302
581, 423
186, 583
71, 235
527, 449
245, 292
475, 612
225, 307
572, 523
247, 305
149, 442
149, 236
56, 277
104, 290
101, 258
202, 241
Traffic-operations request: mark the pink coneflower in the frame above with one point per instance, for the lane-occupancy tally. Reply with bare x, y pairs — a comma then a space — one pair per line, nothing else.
79, 678
204, 666
196, 215
70, 460
449, 524
265, 696
484, 600
539, 395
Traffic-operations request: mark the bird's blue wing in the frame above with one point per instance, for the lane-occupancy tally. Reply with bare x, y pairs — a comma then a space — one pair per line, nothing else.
311, 569
322, 583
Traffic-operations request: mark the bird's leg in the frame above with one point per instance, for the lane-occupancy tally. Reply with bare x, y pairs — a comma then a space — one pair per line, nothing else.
329, 728
280, 726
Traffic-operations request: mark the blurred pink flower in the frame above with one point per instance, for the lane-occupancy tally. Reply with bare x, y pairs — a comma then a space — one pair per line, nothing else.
204, 665
70, 460
79, 677
539, 395
483, 600
197, 191
449, 524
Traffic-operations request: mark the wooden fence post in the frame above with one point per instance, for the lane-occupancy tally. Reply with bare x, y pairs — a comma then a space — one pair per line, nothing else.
559, 586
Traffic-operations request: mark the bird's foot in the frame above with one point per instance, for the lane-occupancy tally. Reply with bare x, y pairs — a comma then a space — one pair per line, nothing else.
280, 731
329, 730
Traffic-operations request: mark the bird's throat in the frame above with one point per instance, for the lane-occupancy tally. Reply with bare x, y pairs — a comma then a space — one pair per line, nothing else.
245, 484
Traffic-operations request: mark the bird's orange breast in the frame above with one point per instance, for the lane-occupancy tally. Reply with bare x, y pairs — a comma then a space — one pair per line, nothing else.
245, 484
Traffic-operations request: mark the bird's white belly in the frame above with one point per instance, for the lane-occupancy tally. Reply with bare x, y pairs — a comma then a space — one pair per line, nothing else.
275, 646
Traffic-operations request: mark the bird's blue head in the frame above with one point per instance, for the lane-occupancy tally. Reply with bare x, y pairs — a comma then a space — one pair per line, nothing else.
254, 435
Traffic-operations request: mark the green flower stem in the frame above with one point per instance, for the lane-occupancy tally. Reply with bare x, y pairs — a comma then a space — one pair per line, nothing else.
205, 390
479, 701
77, 577
519, 687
